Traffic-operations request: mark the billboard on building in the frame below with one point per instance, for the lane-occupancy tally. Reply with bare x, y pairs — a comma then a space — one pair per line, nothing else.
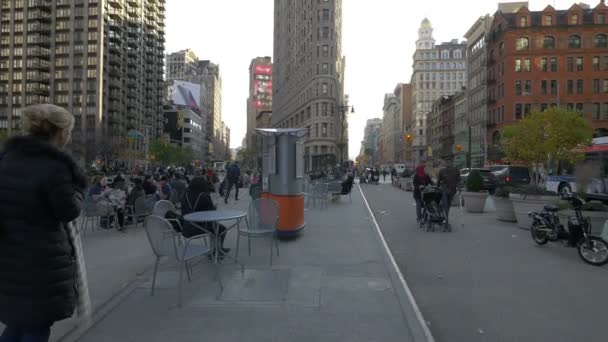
186, 94
262, 86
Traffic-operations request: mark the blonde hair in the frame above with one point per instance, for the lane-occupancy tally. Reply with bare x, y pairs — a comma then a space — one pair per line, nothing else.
45, 120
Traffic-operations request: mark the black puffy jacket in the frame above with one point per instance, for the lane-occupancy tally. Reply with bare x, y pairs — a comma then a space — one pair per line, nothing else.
40, 191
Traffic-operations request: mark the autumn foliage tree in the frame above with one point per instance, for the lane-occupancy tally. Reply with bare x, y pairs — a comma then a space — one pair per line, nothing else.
553, 134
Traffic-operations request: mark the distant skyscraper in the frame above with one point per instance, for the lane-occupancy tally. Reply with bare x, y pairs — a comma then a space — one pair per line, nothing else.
439, 70
101, 60
308, 85
260, 96
185, 66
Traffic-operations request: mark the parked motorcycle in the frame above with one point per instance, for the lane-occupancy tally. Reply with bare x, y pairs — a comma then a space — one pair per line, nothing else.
547, 227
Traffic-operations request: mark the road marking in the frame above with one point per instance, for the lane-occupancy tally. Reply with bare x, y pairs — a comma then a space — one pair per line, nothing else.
406, 288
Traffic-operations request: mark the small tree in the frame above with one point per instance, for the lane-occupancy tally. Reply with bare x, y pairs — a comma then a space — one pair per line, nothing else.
555, 134
474, 181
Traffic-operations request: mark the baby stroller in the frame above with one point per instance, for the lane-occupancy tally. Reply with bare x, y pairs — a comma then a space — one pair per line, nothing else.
432, 210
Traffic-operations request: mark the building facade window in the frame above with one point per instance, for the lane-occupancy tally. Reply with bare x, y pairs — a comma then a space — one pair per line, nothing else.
548, 20
523, 22
574, 42
570, 64
518, 88
548, 42
574, 19
580, 86
528, 87
553, 64
570, 87
601, 18
543, 64
605, 86
600, 41
553, 87
518, 65
522, 43
596, 63
527, 65
579, 63
518, 111
543, 87
596, 85
597, 111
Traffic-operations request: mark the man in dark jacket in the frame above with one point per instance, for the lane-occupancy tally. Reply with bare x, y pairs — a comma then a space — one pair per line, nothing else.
233, 177
41, 190
448, 180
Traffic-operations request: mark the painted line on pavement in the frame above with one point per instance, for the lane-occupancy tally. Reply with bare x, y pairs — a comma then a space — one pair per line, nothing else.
427, 332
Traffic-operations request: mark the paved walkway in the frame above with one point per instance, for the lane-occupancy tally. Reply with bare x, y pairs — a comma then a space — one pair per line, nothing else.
334, 283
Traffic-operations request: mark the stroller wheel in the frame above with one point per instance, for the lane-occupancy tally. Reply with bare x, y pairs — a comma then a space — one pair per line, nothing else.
430, 227
447, 227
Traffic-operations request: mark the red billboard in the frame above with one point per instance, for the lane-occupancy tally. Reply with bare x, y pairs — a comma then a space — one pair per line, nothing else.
262, 86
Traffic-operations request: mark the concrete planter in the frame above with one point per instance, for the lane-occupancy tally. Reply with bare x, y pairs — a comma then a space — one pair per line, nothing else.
504, 209
523, 204
598, 219
474, 202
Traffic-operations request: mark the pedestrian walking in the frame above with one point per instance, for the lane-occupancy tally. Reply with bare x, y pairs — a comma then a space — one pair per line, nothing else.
42, 274
384, 173
448, 180
233, 177
421, 179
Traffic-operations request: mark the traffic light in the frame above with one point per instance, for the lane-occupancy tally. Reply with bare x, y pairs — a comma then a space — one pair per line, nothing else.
408, 137
458, 147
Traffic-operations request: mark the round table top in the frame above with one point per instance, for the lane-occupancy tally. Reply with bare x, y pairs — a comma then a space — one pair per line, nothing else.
215, 215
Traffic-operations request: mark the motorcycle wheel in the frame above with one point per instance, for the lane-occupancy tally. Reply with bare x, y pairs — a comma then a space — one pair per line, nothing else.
541, 238
594, 251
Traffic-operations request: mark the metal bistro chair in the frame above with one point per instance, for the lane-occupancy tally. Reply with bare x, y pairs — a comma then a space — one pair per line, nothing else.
92, 214
165, 242
334, 188
138, 210
320, 192
261, 223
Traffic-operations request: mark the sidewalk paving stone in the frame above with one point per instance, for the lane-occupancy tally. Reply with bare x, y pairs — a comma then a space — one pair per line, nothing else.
333, 283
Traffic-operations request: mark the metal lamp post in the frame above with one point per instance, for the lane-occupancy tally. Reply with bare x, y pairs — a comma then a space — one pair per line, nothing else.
344, 110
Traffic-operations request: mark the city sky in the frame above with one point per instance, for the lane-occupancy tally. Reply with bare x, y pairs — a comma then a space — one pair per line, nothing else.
378, 42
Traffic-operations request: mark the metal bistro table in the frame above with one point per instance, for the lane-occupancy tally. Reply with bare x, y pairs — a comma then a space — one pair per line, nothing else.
215, 217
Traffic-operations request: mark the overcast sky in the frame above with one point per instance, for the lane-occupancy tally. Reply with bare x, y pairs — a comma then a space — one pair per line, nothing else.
378, 42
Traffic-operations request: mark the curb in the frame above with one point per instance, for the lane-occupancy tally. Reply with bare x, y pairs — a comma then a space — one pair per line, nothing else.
417, 324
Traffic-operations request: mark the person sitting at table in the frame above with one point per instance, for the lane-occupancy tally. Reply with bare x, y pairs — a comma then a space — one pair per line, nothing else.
198, 198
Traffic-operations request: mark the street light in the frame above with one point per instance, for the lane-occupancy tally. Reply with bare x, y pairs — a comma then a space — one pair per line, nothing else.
344, 110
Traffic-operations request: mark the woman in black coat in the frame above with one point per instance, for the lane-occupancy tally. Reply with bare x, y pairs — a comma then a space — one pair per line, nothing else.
198, 198
41, 190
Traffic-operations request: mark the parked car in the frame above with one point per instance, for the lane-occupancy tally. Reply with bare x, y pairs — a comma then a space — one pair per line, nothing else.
490, 183
511, 175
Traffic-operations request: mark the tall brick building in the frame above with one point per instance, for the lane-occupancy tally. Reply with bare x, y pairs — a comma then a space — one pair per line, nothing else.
547, 58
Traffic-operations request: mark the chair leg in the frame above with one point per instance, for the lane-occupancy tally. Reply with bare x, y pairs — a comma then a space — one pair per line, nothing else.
154, 275
276, 241
238, 240
180, 284
249, 244
188, 271
271, 251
